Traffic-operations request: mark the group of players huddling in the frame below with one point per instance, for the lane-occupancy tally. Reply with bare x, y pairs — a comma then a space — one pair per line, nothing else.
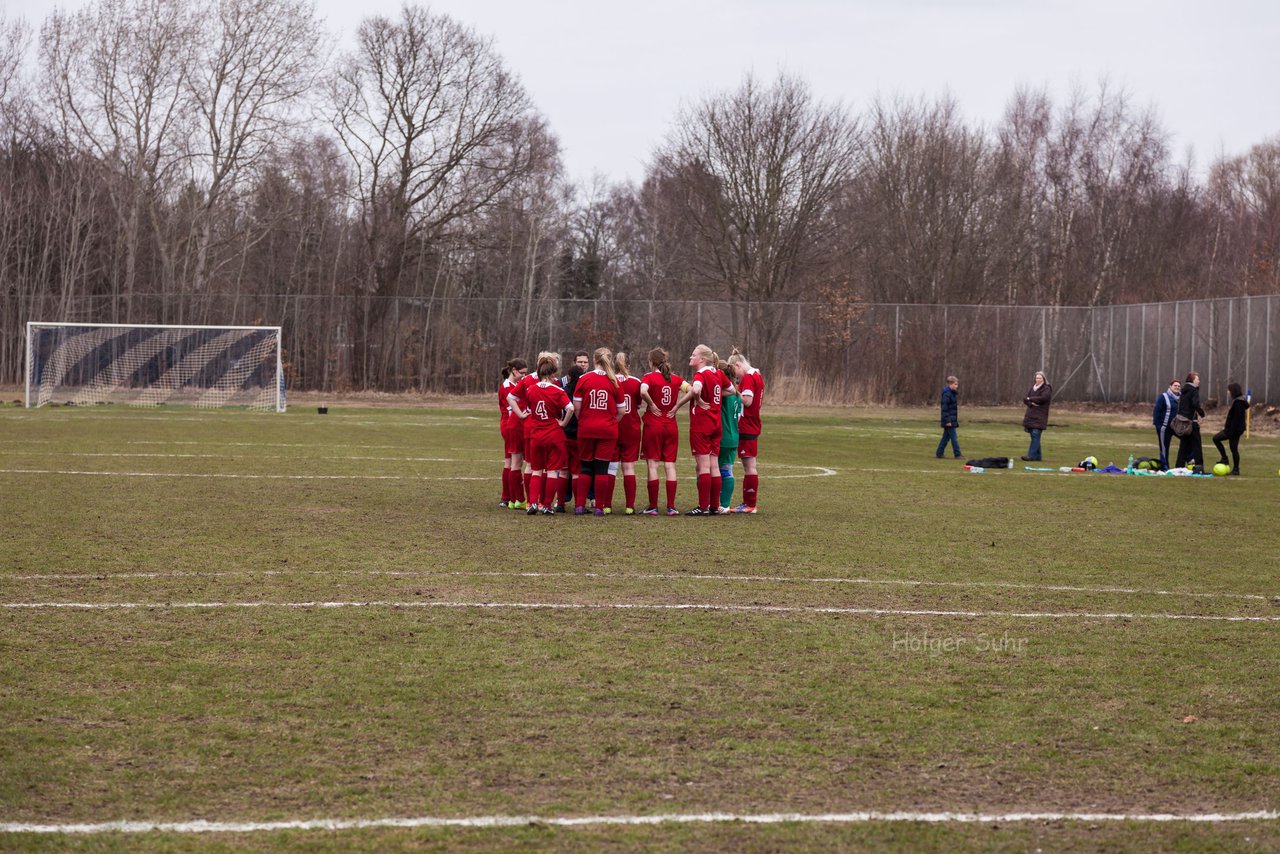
590, 423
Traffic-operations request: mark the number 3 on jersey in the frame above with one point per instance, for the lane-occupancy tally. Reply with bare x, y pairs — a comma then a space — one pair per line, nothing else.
666, 396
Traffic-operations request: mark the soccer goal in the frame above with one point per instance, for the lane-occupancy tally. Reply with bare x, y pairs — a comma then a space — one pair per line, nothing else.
150, 365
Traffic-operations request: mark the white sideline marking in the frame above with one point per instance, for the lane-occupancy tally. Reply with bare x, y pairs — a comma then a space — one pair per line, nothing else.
485, 461
822, 471
203, 826
637, 606
238, 476
425, 573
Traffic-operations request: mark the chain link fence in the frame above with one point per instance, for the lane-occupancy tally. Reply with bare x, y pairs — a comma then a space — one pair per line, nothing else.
818, 351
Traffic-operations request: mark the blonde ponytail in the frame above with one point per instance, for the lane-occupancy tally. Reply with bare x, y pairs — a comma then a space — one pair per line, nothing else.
604, 360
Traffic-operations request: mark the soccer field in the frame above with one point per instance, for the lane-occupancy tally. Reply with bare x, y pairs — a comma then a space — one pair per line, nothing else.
262, 619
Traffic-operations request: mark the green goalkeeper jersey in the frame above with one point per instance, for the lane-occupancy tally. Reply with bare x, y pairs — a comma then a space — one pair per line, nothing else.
730, 412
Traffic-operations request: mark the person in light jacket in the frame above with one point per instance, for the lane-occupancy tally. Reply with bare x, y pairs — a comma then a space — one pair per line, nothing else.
1036, 420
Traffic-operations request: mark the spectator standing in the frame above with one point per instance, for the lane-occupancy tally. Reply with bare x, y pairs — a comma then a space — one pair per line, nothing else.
1166, 407
950, 418
1036, 419
1190, 447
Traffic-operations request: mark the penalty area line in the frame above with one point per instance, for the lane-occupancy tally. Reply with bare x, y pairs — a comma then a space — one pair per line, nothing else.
637, 606
642, 576
495, 821
220, 476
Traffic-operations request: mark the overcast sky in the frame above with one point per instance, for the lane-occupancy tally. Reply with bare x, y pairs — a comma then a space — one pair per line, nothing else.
610, 76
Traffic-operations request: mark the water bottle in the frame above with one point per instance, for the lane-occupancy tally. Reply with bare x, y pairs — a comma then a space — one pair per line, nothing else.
1130, 466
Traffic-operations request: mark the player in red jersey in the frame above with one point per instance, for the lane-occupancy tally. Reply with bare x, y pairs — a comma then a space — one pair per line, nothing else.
751, 387
706, 390
628, 430
520, 407
660, 390
549, 410
512, 435
598, 401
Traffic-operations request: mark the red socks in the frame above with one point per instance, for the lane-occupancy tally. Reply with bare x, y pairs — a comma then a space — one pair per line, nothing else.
671, 494
580, 485
629, 489
653, 493
535, 492
604, 491
715, 491
750, 483
528, 476
564, 491
704, 491
506, 484
515, 484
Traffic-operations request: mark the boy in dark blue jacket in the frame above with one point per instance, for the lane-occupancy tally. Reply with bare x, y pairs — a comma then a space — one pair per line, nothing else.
950, 417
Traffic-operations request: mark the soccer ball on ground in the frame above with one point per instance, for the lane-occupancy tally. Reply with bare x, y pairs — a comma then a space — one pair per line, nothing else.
1221, 468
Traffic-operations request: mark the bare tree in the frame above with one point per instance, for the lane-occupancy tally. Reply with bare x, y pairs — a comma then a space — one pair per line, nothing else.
257, 61
759, 168
117, 76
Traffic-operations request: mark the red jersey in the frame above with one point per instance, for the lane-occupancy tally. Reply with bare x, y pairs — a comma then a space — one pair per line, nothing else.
664, 393
597, 402
547, 402
749, 423
504, 407
704, 416
630, 387
521, 392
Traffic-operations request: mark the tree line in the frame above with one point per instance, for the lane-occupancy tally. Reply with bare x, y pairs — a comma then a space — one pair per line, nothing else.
221, 161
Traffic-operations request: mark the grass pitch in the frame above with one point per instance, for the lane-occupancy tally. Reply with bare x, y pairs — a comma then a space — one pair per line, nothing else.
898, 636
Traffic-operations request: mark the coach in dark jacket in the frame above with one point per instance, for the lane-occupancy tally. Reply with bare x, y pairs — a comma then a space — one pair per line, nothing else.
1190, 448
950, 417
1234, 428
1037, 418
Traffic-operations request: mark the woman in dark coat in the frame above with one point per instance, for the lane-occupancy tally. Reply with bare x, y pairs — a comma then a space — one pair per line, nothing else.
1190, 448
1037, 418
1234, 428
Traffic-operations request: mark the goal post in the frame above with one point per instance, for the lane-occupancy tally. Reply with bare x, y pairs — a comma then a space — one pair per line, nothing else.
154, 364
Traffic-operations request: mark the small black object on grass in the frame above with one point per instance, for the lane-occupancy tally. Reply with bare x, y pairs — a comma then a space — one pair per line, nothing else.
323, 410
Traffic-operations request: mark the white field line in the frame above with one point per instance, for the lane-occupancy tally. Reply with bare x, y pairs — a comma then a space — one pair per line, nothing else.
203, 444
486, 461
222, 418
490, 821
822, 471
431, 573
236, 476
633, 606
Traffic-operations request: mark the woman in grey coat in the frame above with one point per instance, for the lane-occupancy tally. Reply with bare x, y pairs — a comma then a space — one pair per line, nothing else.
1037, 418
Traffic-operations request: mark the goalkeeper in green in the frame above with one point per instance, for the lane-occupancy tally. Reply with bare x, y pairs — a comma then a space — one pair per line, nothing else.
730, 412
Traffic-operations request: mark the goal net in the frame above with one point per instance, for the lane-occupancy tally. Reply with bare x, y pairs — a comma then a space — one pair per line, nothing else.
206, 366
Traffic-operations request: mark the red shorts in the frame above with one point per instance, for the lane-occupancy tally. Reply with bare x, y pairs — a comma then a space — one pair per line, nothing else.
628, 445
747, 447
546, 452
512, 439
596, 448
571, 454
705, 443
661, 442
